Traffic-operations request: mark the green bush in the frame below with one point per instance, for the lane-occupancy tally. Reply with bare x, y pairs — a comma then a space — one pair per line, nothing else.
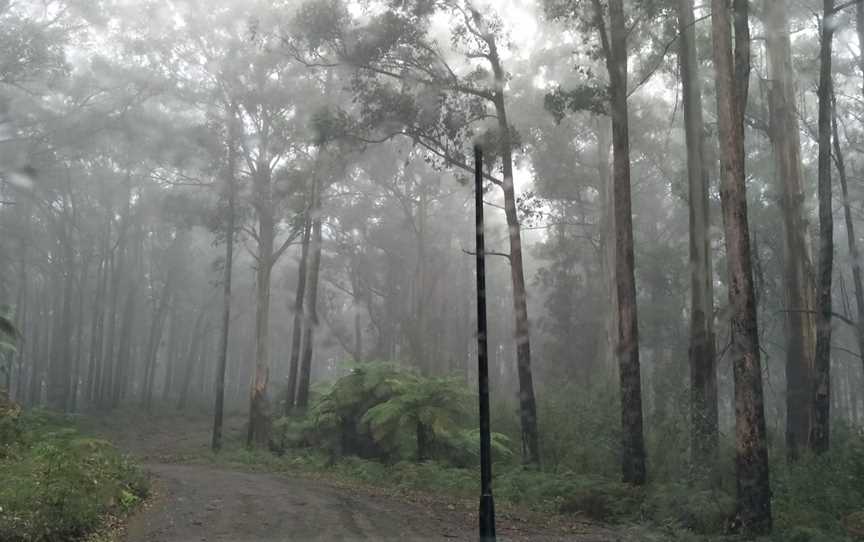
580, 429
59, 485
385, 412
818, 493
687, 506
569, 493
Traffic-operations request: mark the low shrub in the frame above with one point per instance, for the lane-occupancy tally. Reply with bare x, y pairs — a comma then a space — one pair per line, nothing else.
59, 485
821, 494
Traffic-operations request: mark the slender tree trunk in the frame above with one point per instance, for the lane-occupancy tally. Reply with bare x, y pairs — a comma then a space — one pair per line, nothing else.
34, 395
98, 323
59, 365
191, 360
799, 293
358, 336
852, 241
155, 338
175, 328
21, 309
820, 429
607, 247
753, 488
614, 46
296, 332
96, 316
124, 349
527, 401
79, 339
703, 368
108, 360
125, 367
311, 315
259, 415
216, 443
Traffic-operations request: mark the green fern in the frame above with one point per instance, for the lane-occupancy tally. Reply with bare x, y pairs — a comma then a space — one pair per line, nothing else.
384, 411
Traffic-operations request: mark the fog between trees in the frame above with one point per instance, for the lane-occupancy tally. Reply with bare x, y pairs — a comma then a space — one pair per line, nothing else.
231, 201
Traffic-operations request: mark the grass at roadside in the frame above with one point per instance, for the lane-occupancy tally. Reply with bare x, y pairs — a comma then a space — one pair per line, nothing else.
661, 511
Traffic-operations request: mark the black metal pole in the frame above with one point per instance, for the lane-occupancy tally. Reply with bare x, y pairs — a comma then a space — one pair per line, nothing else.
487, 504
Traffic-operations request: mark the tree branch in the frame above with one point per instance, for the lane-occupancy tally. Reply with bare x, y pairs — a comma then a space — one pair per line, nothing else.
489, 253
845, 319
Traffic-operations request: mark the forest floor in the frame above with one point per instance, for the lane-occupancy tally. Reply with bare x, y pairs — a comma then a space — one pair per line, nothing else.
198, 499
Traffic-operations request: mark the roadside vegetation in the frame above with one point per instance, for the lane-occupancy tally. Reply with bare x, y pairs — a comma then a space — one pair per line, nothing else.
389, 427
58, 484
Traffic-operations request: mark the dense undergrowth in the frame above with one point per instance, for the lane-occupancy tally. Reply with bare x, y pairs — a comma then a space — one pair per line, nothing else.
384, 426
56, 484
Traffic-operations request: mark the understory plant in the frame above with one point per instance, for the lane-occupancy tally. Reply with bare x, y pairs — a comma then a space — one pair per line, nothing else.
58, 484
383, 411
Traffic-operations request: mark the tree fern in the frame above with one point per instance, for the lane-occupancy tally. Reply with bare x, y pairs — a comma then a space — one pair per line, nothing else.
9, 334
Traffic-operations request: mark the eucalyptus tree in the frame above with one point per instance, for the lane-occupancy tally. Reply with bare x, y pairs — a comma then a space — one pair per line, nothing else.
608, 20
702, 355
408, 87
798, 276
732, 69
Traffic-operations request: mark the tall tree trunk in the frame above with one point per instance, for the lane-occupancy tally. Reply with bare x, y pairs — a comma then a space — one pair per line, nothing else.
34, 394
259, 415
154, 339
175, 329
98, 318
358, 335
703, 367
216, 443
108, 359
607, 247
59, 365
124, 349
798, 275
820, 430
191, 359
753, 488
527, 401
852, 242
125, 367
79, 339
296, 332
311, 314
627, 345
21, 309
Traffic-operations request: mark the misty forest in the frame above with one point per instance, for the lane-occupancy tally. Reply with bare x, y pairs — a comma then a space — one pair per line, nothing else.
237, 269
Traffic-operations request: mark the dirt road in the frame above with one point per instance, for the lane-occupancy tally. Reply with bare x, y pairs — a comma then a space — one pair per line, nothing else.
198, 502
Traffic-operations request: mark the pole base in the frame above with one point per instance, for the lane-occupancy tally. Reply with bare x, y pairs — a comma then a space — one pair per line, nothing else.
487, 518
